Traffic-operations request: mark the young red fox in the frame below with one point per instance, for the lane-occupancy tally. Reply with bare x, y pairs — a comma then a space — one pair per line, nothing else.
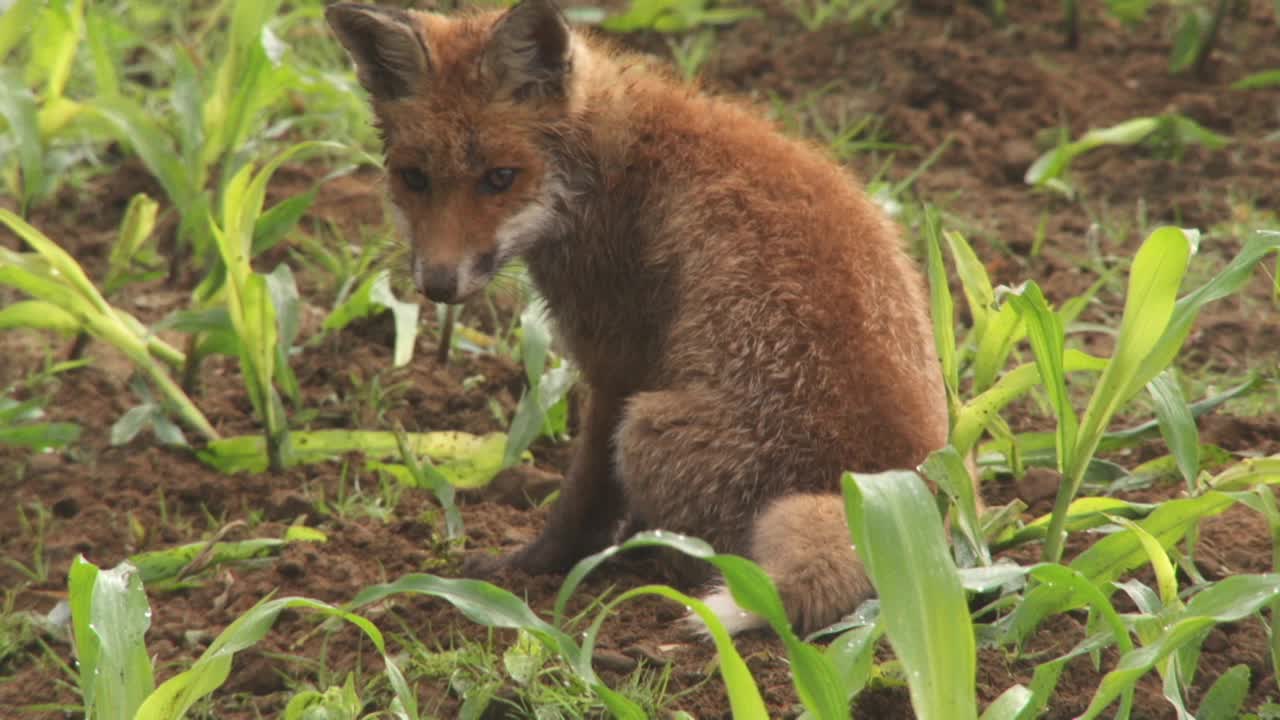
743, 314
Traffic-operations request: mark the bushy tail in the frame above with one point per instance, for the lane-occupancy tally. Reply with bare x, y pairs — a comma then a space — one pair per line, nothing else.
802, 542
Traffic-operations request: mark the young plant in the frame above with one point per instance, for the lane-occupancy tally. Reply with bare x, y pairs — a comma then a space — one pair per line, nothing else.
110, 617
543, 408
815, 14
20, 419
65, 299
263, 309
1171, 133
54, 31
673, 16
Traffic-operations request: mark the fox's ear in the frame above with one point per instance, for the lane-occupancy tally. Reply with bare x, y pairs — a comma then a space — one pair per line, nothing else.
390, 58
529, 53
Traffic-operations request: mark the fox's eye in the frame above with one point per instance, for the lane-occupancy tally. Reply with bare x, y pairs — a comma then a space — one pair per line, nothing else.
415, 179
497, 180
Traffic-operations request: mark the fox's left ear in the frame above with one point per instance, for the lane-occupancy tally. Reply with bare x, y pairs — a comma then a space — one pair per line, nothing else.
528, 55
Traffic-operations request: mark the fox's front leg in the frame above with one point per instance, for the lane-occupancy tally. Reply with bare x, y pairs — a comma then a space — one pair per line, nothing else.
590, 504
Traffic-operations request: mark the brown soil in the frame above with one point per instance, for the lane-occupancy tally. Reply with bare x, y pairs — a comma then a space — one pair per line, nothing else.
930, 75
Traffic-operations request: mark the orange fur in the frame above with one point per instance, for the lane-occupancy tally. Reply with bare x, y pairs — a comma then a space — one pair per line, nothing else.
744, 315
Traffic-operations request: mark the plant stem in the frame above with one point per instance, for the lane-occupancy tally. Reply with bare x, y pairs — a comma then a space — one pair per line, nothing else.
1056, 536
1201, 62
446, 335
186, 409
1071, 23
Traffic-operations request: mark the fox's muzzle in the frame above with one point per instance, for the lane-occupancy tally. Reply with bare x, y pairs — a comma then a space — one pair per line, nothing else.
438, 282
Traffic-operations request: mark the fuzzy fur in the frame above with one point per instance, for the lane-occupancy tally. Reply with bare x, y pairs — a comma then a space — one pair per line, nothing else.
745, 317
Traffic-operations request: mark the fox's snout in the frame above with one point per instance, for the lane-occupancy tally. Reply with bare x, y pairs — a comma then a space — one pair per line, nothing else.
438, 282
451, 282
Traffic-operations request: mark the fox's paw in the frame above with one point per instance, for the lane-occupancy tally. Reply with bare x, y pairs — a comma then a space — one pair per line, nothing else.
727, 611
536, 558
482, 565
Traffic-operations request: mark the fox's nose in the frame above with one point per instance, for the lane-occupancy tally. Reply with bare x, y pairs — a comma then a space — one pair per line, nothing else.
438, 282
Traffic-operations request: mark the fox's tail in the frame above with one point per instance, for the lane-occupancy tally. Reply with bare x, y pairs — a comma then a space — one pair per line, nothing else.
802, 542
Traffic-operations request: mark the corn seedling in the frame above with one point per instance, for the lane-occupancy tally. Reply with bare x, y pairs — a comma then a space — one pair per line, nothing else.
20, 420
263, 309
816, 14
1170, 133
373, 296
110, 617
66, 300
36, 121
1198, 23
543, 408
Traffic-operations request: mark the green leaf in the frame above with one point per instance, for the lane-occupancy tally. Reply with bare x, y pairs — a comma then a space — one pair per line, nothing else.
1130, 11
18, 108
744, 696
815, 677
981, 411
900, 539
1228, 600
1052, 164
1044, 329
1177, 424
1186, 41
101, 30
273, 225
110, 617
288, 308
1082, 514
1225, 283
135, 419
40, 436
134, 127
1154, 278
463, 457
946, 468
137, 226
172, 699
1009, 705
158, 566
404, 313
531, 412
15, 24
38, 315
1227, 695
1114, 555
941, 306
1258, 80
1166, 578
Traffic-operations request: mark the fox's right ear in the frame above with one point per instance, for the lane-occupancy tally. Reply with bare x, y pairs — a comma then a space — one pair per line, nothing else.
390, 57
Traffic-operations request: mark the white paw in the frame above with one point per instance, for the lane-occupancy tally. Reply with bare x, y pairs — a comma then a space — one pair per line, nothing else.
730, 614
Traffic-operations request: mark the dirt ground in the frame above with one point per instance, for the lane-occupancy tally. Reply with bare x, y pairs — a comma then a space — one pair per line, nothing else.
992, 92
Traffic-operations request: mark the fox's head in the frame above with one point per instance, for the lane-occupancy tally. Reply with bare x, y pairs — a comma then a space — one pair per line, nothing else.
466, 106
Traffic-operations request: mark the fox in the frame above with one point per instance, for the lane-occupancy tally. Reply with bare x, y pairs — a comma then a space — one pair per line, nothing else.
747, 321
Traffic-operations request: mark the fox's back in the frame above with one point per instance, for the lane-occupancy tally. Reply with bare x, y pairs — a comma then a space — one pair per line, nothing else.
746, 260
